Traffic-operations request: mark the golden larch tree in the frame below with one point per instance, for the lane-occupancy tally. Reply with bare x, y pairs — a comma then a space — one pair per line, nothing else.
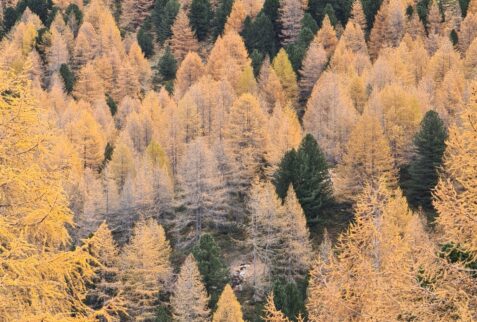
270, 89
189, 301
272, 314
326, 36
145, 269
190, 70
297, 237
357, 15
286, 130
41, 279
246, 142
468, 31
290, 15
107, 278
330, 115
228, 307
183, 39
456, 192
284, 70
313, 65
470, 62
367, 159
236, 18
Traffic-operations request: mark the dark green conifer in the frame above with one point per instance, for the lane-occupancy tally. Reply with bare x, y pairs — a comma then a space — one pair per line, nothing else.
429, 145
200, 16
215, 274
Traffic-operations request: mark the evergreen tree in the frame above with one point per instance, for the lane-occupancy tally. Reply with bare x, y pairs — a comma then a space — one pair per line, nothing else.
285, 175
215, 273
308, 170
200, 15
168, 65
113, 107
258, 34
221, 15
163, 16
330, 12
144, 39
68, 78
289, 297
423, 170
370, 8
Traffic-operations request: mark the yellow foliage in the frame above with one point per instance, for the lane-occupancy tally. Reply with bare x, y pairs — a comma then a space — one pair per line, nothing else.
39, 278
228, 308
284, 70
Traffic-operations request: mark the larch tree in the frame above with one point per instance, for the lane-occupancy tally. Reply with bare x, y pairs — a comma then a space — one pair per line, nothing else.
377, 34
265, 230
291, 14
228, 307
284, 70
105, 291
89, 86
270, 89
357, 15
122, 162
468, 32
297, 238
189, 301
228, 58
190, 70
41, 278
472, 8
367, 159
434, 18
183, 39
400, 111
326, 36
470, 62
246, 143
313, 65
456, 191
88, 139
272, 314
145, 269
236, 18
85, 48
330, 115
134, 12
203, 191
58, 53
287, 132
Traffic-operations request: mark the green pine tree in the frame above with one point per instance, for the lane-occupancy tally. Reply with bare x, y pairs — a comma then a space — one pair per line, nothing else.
289, 297
330, 12
68, 78
308, 171
258, 34
144, 39
429, 145
168, 65
221, 14
200, 16
215, 273
163, 16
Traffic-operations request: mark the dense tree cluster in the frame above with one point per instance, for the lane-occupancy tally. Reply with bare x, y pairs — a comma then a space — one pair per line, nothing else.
185, 160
